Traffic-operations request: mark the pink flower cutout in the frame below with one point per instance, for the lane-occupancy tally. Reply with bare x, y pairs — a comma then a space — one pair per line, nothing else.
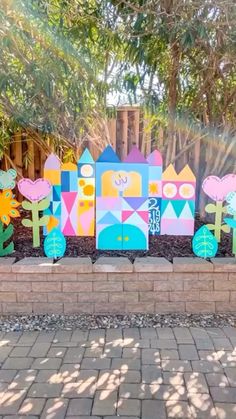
218, 188
34, 190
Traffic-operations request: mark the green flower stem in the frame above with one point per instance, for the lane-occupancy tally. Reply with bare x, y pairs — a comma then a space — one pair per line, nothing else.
218, 220
35, 224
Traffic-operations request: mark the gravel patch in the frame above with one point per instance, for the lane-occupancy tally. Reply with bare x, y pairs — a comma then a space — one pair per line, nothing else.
85, 322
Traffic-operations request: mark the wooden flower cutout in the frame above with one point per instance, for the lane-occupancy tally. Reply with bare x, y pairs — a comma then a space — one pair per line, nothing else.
8, 207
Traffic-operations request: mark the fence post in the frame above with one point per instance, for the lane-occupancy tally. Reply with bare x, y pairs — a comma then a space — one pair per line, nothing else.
122, 133
133, 127
17, 151
112, 131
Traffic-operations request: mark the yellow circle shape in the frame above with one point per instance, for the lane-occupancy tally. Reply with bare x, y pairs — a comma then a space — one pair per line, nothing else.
187, 190
88, 190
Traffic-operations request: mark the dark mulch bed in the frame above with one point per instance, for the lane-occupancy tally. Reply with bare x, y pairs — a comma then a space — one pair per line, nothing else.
166, 246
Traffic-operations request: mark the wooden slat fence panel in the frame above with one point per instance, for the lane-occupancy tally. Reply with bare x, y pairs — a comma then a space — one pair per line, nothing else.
125, 128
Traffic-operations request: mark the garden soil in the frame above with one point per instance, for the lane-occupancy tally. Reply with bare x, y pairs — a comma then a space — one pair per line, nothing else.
165, 246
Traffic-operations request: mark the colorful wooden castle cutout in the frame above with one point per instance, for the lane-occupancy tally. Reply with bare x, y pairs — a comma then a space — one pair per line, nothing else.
86, 195
72, 196
52, 172
155, 192
121, 201
134, 198
178, 202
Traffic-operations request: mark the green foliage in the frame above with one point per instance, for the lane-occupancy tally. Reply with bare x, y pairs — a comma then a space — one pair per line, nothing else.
62, 62
48, 74
5, 234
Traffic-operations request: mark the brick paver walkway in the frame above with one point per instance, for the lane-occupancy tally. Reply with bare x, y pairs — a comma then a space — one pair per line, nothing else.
130, 374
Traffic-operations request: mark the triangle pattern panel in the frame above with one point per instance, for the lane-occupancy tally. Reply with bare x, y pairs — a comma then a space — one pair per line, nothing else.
69, 216
186, 214
109, 218
192, 207
178, 206
133, 219
169, 212
56, 193
134, 203
68, 229
144, 215
69, 200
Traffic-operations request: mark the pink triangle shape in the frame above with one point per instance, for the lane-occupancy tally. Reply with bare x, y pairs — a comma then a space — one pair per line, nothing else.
69, 200
68, 229
126, 215
144, 215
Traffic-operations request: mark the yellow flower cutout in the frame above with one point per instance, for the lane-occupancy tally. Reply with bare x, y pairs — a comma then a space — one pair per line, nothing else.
7, 206
153, 188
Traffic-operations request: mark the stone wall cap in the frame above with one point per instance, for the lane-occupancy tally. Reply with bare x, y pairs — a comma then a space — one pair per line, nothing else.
224, 264
191, 264
73, 265
112, 264
152, 264
33, 265
6, 264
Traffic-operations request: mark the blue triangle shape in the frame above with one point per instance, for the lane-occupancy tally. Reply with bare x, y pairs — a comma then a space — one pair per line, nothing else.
56, 193
135, 203
86, 157
109, 218
108, 156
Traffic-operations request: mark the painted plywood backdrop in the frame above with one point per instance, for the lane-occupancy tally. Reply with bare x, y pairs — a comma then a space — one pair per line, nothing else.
127, 200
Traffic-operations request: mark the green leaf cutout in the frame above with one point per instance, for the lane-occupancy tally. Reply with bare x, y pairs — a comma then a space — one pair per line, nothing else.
210, 208
27, 223
27, 205
44, 204
5, 234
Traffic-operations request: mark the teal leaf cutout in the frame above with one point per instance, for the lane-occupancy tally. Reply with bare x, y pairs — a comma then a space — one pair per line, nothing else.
7, 179
5, 234
55, 244
204, 243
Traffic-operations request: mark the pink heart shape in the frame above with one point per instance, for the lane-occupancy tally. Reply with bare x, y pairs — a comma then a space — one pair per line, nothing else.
34, 190
218, 188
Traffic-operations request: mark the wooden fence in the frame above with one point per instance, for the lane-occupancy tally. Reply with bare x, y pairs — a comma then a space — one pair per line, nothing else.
130, 127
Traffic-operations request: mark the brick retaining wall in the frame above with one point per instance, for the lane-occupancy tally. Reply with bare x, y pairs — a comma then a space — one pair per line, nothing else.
115, 285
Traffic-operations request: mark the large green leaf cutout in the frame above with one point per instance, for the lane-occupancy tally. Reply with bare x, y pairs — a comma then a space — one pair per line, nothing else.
55, 244
5, 235
204, 243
